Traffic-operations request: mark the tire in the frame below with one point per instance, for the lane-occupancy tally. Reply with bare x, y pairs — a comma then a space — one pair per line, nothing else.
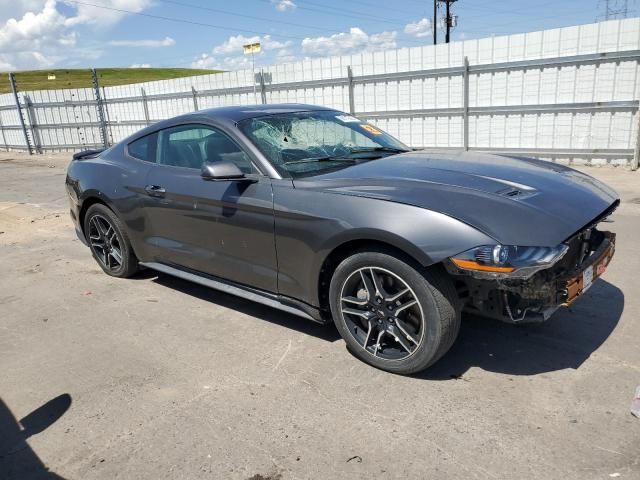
408, 344
115, 256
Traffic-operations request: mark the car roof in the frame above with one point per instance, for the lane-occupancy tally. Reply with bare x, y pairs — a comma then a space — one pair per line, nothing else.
237, 113
226, 114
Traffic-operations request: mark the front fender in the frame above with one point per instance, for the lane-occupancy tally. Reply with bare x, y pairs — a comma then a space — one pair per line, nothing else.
310, 225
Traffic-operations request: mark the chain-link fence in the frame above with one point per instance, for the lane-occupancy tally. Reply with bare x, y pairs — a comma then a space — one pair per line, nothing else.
569, 93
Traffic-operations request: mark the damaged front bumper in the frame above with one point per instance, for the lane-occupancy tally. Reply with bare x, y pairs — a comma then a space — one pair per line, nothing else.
536, 298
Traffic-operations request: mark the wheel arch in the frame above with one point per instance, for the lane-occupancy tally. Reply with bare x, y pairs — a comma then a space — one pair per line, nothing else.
87, 202
344, 249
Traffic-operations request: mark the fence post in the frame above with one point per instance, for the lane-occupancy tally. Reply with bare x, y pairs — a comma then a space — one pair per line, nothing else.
4, 139
14, 90
263, 88
145, 105
636, 151
100, 109
465, 100
195, 98
105, 102
352, 103
31, 115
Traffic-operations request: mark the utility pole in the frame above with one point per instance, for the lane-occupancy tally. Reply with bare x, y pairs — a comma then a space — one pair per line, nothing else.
450, 20
616, 9
434, 25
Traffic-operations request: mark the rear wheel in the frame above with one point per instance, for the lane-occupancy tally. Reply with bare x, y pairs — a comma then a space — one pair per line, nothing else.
393, 314
109, 242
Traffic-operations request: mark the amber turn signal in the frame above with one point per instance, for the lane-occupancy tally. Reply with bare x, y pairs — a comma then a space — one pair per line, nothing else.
471, 265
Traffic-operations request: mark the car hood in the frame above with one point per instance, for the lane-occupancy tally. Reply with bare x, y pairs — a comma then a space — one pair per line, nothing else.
516, 201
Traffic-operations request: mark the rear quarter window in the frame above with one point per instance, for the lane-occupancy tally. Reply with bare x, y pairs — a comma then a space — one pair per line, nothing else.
144, 148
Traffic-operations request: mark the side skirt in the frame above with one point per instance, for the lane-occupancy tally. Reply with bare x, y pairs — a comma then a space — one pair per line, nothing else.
279, 302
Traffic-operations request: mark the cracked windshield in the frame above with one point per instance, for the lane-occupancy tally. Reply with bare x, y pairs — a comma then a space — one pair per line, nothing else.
310, 143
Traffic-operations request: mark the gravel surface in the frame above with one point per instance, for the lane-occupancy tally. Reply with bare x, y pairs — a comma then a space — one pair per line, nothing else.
154, 377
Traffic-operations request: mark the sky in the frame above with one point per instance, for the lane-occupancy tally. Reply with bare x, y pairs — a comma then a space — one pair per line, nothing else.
46, 34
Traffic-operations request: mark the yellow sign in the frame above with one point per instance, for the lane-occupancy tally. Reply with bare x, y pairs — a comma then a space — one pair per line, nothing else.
371, 129
251, 48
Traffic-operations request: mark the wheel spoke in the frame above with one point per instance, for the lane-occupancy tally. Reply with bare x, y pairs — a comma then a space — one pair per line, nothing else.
404, 306
117, 256
377, 345
368, 285
398, 338
395, 297
360, 313
354, 300
366, 339
404, 331
377, 285
98, 224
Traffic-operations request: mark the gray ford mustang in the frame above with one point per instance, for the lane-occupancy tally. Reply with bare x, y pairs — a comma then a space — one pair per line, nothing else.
315, 212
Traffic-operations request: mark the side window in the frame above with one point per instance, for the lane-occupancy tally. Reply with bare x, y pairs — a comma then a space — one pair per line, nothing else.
144, 148
190, 146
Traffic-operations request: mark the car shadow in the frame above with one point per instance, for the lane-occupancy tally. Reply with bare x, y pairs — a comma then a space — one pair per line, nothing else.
17, 459
564, 341
247, 307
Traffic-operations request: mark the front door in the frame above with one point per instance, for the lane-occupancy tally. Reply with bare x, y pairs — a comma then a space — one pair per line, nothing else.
223, 228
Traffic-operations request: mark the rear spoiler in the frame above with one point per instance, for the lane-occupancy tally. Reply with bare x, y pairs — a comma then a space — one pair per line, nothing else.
88, 154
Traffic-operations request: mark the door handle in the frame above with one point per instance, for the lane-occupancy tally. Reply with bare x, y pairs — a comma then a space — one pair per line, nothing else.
154, 190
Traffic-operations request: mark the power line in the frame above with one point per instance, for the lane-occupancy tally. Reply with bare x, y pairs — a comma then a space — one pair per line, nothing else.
181, 20
241, 15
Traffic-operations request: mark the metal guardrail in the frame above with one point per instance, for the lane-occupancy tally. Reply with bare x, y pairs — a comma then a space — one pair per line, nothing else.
101, 103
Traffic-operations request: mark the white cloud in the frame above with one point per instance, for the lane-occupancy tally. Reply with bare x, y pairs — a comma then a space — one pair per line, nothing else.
17, 8
102, 16
204, 61
234, 44
140, 65
284, 5
421, 28
36, 34
36, 38
382, 41
35, 31
285, 55
165, 42
356, 40
208, 62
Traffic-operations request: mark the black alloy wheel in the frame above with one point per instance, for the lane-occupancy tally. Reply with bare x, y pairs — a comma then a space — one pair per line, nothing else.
107, 237
382, 313
392, 312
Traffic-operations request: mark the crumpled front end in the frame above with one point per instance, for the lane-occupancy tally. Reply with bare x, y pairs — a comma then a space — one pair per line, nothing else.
515, 299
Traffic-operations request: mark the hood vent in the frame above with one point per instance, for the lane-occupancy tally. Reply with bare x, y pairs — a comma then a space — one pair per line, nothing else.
510, 192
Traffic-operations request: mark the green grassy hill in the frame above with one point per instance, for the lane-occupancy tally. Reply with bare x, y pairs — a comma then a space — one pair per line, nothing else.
68, 78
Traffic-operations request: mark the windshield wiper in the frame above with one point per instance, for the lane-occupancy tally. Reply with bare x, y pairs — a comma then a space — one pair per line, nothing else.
321, 159
342, 158
378, 149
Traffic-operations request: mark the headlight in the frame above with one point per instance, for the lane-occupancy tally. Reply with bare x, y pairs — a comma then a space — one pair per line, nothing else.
509, 260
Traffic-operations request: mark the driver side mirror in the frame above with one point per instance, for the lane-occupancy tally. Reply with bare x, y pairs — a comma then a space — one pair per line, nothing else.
221, 171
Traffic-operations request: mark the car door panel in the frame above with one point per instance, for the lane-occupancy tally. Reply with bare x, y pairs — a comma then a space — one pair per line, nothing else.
222, 228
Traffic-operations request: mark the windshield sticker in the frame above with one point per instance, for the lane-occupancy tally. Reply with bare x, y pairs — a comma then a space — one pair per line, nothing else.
347, 119
371, 129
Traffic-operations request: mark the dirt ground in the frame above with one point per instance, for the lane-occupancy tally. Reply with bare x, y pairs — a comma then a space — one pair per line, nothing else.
154, 377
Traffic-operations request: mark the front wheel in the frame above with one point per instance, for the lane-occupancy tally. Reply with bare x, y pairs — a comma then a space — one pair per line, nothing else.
392, 314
